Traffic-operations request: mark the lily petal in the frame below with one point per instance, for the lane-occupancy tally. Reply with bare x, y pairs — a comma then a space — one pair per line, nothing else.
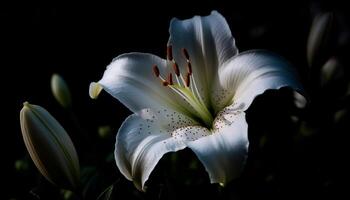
224, 152
209, 43
144, 138
249, 74
130, 79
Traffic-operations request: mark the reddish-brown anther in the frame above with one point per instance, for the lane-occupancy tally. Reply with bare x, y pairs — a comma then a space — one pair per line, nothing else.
170, 78
156, 70
169, 52
165, 83
188, 79
185, 53
176, 69
189, 68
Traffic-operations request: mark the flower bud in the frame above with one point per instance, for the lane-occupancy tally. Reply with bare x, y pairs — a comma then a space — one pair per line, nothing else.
104, 131
318, 38
61, 91
49, 146
21, 165
299, 100
340, 115
331, 71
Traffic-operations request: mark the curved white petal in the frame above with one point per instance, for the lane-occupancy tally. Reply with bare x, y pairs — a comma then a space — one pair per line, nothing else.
224, 153
144, 138
249, 74
209, 43
130, 79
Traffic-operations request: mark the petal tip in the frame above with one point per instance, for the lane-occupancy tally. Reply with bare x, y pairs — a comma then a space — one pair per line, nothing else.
215, 12
26, 103
140, 187
94, 90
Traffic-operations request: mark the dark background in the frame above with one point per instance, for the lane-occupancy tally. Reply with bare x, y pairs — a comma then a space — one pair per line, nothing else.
78, 41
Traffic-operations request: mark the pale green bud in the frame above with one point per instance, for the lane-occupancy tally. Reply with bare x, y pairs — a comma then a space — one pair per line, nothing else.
331, 71
67, 194
61, 91
104, 131
21, 165
49, 146
340, 115
299, 100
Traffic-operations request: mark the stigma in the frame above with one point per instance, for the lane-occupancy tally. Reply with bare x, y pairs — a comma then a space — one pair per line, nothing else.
184, 85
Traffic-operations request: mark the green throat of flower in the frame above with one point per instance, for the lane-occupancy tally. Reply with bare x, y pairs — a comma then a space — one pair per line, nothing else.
186, 87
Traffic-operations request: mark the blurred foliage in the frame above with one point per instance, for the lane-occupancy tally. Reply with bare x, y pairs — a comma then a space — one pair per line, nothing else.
298, 149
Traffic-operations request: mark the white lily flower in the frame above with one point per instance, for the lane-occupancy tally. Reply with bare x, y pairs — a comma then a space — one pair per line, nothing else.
195, 98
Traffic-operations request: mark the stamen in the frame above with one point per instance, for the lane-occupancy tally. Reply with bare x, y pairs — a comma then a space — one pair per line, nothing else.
185, 86
176, 69
169, 51
189, 67
188, 79
170, 78
165, 83
187, 56
185, 53
194, 85
156, 70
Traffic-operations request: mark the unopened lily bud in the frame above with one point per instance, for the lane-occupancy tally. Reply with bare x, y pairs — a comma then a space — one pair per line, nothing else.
104, 131
21, 165
331, 71
61, 91
340, 115
49, 146
299, 100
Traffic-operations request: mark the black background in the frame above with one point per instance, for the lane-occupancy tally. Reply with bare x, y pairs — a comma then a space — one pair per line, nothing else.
79, 40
